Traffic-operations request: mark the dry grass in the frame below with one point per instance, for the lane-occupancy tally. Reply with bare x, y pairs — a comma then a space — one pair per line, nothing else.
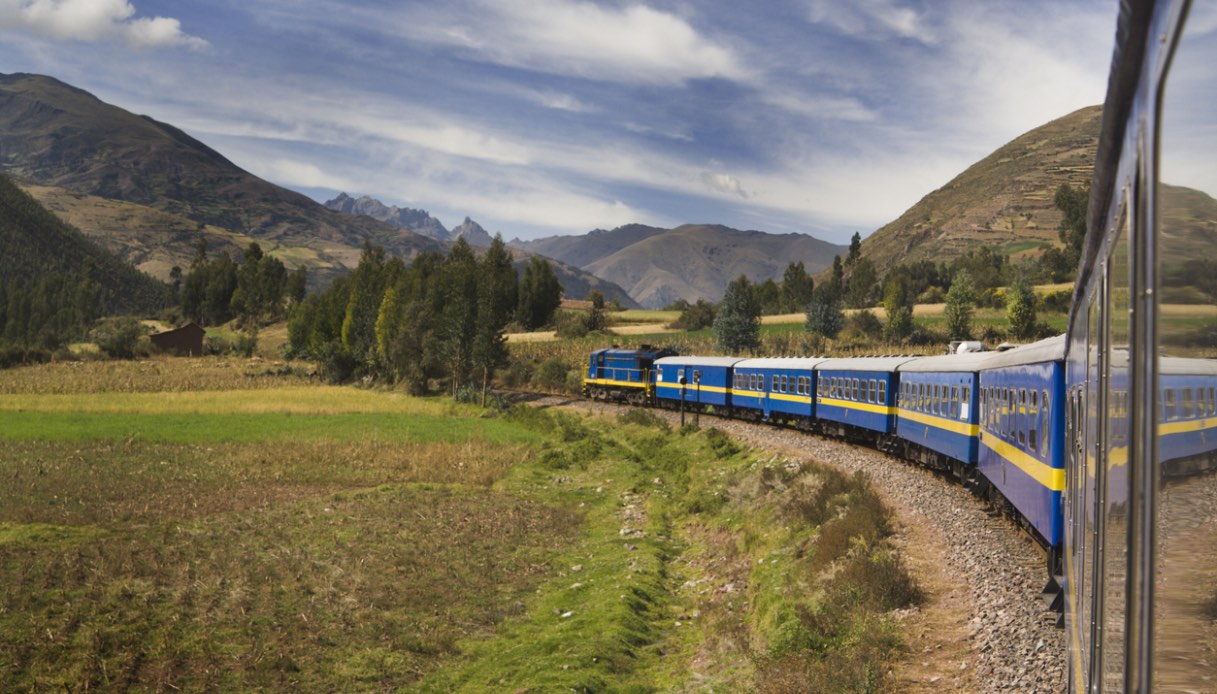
157, 375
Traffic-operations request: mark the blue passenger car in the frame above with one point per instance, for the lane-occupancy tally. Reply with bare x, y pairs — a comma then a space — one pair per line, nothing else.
938, 411
697, 381
856, 397
622, 374
775, 389
1022, 431
1187, 403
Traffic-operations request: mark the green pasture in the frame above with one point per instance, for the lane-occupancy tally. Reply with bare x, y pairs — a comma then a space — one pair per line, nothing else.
313, 538
288, 415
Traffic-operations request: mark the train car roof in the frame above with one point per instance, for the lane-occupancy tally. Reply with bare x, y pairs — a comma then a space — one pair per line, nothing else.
1184, 366
862, 363
1048, 349
697, 361
945, 363
780, 363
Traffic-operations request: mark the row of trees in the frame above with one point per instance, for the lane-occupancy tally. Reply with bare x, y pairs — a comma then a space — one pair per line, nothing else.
737, 318
258, 290
440, 317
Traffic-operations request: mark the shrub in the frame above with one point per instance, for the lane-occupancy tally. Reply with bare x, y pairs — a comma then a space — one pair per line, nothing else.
644, 418
119, 337
551, 375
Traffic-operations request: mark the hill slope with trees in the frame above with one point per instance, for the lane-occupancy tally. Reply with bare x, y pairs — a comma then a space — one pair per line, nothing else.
55, 281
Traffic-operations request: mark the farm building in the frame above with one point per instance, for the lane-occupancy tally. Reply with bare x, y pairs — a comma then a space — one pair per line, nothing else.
186, 341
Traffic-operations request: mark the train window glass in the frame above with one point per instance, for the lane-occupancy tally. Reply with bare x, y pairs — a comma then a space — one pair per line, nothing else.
882, 392
954, 401
871, 390
1185, 404
1046, 424
1183, 269
965, 400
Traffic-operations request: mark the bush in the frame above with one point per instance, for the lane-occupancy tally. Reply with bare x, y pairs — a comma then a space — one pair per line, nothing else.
644, 418
119, 338
551, 375
571, 325
247, 343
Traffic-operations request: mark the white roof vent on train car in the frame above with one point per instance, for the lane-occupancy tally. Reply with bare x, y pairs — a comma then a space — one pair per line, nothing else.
968, 346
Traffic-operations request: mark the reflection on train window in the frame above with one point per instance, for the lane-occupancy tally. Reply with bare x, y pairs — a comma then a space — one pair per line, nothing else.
1047, 424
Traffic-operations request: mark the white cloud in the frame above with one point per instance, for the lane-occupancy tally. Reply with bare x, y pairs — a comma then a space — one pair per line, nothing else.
94, 20
724, 183
306, 175
872, 19
631, 44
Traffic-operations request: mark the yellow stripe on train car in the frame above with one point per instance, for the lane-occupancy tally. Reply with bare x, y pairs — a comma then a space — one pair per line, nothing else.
612, 382
692, 388
1051, 477
863, 406
937, 422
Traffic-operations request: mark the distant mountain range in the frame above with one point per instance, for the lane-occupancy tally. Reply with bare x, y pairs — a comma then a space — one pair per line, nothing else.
147, 191
658, 266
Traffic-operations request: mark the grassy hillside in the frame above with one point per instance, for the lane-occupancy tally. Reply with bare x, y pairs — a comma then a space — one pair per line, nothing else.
1004, 201
52, 134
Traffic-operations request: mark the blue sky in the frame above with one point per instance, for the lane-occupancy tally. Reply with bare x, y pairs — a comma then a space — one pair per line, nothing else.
551, 117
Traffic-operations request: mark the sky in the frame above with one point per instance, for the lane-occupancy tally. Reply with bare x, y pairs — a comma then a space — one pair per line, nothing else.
545, 117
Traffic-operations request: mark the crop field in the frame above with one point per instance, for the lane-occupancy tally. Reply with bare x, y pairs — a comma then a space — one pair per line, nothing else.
227, 525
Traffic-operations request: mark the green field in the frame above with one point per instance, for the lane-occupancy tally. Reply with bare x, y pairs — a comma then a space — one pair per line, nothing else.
292, 537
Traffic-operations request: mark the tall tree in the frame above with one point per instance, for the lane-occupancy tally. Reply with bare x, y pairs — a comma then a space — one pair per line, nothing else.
498, 287
540, 294
1020, 309
961, 302
855, 249
1073, 204
861, 284
737, 325
824, 314
363, 305
797, 287
458, 321
899, 308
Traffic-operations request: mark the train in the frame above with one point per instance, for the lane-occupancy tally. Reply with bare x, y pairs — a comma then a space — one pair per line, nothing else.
1101, 442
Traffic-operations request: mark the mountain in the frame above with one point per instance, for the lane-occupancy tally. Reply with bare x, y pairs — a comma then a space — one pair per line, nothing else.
418, 221
1003, 201
56, 137
592, 246
694, 261
472, 232
37, 244
575, 282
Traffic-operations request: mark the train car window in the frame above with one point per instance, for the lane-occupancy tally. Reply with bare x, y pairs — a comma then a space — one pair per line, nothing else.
882, 392
1185, 404
965, 400
871, 390
1047, 425
1184, 269
1022, 416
